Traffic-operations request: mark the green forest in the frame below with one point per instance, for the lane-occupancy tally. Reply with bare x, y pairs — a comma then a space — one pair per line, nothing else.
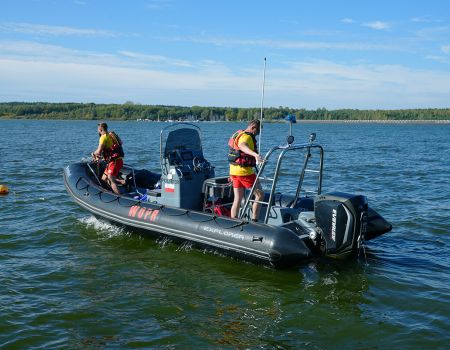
132, 111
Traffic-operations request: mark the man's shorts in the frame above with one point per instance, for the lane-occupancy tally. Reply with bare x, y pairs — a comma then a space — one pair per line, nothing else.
114, 167
245, 181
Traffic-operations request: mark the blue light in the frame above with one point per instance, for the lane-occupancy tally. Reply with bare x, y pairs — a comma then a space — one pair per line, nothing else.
291, 118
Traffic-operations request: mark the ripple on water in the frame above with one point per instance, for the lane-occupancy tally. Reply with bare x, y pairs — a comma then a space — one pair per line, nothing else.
72, 281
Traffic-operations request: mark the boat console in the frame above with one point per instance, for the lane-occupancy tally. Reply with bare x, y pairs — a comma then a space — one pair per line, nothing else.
183, 166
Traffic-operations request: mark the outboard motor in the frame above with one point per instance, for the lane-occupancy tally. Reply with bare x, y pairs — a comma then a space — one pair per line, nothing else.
341, 219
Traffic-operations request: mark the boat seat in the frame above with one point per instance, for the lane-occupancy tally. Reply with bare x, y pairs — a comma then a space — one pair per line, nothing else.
217, 195
218, 186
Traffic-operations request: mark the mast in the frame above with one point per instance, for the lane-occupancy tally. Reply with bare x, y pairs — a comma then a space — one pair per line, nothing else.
262, 108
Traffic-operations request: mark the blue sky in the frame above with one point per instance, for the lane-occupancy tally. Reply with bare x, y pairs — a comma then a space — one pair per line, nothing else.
333, 54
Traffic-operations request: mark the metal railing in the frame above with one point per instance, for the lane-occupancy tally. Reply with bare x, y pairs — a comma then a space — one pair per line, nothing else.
282, 151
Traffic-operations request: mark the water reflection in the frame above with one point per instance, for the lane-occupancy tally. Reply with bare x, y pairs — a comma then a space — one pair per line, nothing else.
211, 297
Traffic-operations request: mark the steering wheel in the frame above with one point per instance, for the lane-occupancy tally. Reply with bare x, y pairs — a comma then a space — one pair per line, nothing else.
174, 158
197, 164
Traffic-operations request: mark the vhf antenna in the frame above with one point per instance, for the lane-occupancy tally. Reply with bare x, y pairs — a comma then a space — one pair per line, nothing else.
262, 108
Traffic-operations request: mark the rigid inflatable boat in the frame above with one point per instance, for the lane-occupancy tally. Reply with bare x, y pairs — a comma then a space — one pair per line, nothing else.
187, 202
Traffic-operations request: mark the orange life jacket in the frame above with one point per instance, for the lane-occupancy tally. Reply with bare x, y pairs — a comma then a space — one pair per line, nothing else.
235, 155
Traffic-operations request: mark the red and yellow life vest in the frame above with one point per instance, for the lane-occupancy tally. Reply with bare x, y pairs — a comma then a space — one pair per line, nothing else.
235, 155
116, 150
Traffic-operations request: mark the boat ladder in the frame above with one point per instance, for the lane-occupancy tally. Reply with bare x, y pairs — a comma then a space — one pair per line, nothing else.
307, 168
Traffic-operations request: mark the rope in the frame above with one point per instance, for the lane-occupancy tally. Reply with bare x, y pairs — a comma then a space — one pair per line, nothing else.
78, 181
161, 208
361, 242
362, 246
242, 223
113, 200
184, 213
209, 219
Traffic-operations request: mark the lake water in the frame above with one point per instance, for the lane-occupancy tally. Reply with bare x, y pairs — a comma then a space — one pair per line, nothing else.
70, 281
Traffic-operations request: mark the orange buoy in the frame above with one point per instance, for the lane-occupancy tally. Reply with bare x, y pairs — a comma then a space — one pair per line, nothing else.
4, 189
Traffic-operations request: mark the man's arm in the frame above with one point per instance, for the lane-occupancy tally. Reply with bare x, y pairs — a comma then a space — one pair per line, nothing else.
243, 146
98, 152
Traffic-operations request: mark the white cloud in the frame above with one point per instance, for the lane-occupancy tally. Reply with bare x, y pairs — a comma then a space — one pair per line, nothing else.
334, 85
445, 49
309, 84
47, 30
43, 52
139, 57
425, 19
290, 22
33, 48
55, 81
437, 58
434, 33
288, 44
157, 4
27, 50
37, 72
378, 25
347, 20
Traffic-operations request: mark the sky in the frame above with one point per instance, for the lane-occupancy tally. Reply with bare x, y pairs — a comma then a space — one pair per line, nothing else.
302, 53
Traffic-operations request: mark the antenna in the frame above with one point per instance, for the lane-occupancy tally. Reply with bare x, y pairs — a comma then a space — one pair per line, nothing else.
262, 107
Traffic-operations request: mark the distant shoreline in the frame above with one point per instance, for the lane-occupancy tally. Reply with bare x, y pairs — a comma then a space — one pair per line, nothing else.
403, 121
299, 121
131, 111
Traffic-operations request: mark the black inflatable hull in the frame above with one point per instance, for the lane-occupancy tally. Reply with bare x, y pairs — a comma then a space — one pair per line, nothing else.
260, 243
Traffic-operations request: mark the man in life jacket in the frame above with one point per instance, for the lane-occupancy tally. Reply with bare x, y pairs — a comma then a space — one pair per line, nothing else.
110, 147
243, 157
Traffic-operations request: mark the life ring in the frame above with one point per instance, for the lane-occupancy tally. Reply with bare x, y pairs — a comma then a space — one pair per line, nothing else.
4, 189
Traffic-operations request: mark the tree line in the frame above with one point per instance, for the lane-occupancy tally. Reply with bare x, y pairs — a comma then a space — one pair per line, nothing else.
132, 111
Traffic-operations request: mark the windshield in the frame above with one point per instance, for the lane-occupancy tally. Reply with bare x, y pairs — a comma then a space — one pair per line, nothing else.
183, 139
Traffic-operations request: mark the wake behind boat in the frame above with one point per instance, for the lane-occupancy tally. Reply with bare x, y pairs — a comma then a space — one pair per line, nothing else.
187, 202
